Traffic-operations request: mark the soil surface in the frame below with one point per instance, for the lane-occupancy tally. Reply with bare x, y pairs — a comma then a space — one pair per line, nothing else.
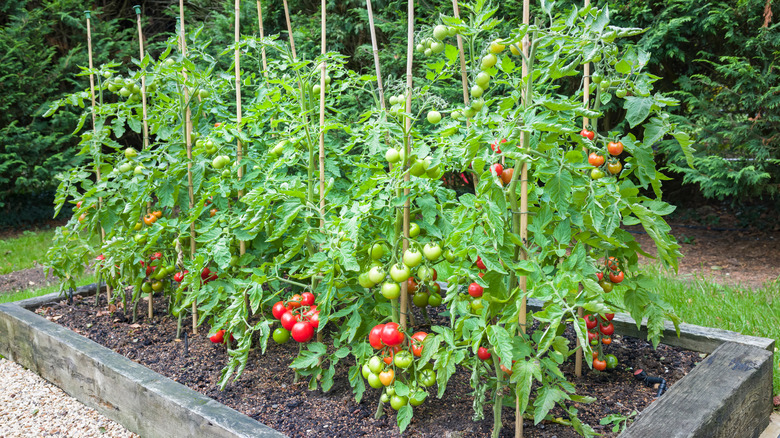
266, 391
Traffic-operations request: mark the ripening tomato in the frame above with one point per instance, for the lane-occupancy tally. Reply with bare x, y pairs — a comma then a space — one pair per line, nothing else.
599, 364
294, 302
614, 167
615, 148
596, 160
506, 175
417, 343
606, 340
411, 285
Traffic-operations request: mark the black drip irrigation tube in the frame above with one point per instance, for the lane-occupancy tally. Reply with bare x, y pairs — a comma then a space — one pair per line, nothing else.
649, 381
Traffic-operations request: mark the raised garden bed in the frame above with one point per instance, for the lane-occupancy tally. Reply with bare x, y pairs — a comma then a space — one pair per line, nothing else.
728, 394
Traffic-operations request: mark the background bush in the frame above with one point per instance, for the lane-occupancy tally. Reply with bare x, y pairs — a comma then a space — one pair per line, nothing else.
723, 55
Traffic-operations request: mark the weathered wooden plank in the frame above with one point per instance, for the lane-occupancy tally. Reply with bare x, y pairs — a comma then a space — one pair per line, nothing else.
728, 395
136, 397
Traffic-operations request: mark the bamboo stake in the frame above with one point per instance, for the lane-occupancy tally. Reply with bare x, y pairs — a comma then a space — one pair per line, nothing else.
239, 146
262, 50
407, 148
188, 140
375, 48
94, 129
289, 29
523, 217
323, 84
137, 8
463, 76
585, 102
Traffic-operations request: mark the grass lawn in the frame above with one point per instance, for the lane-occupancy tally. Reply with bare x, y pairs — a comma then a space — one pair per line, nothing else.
30, 293
736, 308
22, 252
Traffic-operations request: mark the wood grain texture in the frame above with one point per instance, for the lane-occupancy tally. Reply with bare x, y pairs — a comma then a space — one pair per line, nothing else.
729, 395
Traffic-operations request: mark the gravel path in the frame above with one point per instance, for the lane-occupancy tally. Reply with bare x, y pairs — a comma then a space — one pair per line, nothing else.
33, 407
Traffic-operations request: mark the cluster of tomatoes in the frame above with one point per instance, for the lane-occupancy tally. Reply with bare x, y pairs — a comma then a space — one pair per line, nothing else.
612, 276
504, 174
419, 167
299, 317
600, 331
219, 337
430, 46
423, 288
613, 166
156, 272
380, 370
475, 290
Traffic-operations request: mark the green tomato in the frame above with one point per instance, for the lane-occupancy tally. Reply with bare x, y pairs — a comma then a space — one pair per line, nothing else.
384, 398
488, 61
403, 359
483, 79
389, 390
130, 153
126, 167
434, 117
281, 335
146, 288
376, 274
478, 104
392, 156
364, 281
418, 168
477, 91
420, 299
434, 300
139, 170
391, 290
469, 112
424, 273
279, 148
376, 365
612, 361
427, 377
412, 257
414, 230
440, 32
437, 47
417, 398
476, 305
596, 173
449, 256
400, 273
432, 251
397, 402
377, 251
365, 370
428, 52
220, 161
456, 115
621, 93
124, 92
374, 382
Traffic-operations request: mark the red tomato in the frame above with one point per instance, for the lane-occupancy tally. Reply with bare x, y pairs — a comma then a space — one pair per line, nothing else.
411, 285
483, 353
608, 329
475, 290
480, 263
600, 365
497, 169
592, 336
616, 278
609, 316
391, 336
156, 256
590, 322
294, 302
600, 275
417, 340
302, 331
590, 135
375, 336
288, 320
314, 319
218, 337
278, 309
307, 299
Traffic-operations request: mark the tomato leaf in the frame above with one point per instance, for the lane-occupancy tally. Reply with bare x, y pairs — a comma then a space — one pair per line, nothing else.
404, 417
546, 398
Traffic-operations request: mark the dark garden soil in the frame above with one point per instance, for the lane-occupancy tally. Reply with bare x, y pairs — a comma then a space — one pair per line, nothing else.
266, 390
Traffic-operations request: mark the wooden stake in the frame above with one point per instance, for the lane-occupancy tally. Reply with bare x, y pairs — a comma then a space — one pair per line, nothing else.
323, 84
188, 140
585, 102
262, 50
463, 75
376, 55
407, 147
94, 130
289, 29
239, 146
523, 218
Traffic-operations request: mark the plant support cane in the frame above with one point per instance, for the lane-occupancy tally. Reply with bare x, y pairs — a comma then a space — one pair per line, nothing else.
407, 149
87, 14
188, 139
